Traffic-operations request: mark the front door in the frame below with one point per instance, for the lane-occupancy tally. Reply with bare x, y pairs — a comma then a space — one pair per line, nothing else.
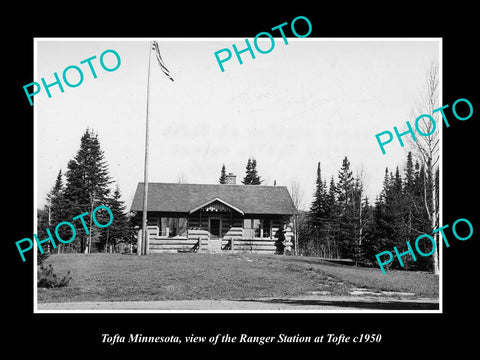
215, 228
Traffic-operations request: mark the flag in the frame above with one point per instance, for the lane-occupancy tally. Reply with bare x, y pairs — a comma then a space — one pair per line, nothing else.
160, 61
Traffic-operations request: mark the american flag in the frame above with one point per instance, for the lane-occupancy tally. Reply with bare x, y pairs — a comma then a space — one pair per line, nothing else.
160, 61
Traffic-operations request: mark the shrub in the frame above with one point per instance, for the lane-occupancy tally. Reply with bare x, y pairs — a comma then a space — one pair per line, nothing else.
41, 258
47, 279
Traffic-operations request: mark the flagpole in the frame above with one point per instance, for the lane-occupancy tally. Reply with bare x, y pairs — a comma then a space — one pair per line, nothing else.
144, 245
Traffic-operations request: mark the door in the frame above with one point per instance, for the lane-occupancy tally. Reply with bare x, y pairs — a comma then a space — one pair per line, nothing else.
215, 228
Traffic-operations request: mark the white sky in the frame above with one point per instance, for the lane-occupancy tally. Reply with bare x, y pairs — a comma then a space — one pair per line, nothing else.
311, 100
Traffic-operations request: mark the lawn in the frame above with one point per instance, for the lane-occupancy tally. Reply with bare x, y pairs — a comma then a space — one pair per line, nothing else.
189, 276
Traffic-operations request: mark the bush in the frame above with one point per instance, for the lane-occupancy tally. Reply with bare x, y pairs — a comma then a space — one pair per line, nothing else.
41, 258
47, 279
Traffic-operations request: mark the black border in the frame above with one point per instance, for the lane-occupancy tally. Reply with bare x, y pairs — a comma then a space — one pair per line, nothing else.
406, 334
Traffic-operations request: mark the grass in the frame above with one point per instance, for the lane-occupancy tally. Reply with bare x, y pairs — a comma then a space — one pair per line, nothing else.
188, 276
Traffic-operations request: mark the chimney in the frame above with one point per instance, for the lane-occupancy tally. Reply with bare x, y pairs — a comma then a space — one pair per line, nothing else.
231, 179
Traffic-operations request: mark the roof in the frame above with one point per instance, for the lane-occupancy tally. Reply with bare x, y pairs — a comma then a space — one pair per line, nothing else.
183, 198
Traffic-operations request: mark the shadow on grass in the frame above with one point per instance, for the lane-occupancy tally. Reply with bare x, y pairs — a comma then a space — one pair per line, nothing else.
368, 305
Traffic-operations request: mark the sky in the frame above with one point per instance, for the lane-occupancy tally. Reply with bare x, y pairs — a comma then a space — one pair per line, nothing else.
313, 100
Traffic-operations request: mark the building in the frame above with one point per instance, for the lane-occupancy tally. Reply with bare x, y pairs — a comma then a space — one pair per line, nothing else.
215, 218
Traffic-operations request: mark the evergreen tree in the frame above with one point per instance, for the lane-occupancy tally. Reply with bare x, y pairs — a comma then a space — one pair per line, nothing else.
223, 176
119, 231
53, 213
358, 214
346, 220
345, 185
319, 204
317, 217
409, 197
331, 221
255, 177
247, 180
87, 184
57, 208
377, 235
409, 175
251, 176
331, 203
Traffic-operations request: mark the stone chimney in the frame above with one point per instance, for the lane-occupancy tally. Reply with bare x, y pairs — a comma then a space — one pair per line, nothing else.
231, 179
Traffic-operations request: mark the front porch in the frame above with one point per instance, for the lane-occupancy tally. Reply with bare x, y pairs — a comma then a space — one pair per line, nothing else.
196, 240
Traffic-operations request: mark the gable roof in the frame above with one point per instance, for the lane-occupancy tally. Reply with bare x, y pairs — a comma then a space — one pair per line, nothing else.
213, 201
183, 198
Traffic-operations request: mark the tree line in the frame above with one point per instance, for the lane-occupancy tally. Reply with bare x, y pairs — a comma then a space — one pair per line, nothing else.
87, 185
342, 223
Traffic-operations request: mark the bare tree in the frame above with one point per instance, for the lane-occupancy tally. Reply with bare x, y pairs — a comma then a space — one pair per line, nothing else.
426, 149
297, 194
297, 197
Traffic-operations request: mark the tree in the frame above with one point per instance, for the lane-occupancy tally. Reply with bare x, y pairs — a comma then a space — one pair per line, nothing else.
378, 234
251, 174
320, 231
54, 199
53, 213
426, 150
361, 215
297, 197
317, 216
87, 183
119, 230
247, 180
57, 209
346, 218
256, 180
318, 208
223, 176
331, 220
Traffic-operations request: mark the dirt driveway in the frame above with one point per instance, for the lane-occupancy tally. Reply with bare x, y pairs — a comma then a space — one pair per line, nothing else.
305, 303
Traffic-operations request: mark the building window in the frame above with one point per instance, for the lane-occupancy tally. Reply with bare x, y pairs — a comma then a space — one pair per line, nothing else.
267, 228
171, 227
259, 228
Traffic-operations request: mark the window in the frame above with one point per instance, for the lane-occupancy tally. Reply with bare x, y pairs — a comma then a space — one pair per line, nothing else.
259, 228
257, 225
267, 228
172, 227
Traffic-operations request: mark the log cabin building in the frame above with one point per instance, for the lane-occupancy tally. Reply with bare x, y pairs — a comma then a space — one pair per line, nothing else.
215, 218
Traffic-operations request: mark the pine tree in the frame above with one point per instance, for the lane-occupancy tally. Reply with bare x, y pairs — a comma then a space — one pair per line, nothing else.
223, 176
346, 219
53, 213
119, 231
256, 180
409, 198
88, 181
317, 217
359, 217
251, 176
345, 185
57, 210
319, 204
377, 235
409, 174
331, 221
247, 180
